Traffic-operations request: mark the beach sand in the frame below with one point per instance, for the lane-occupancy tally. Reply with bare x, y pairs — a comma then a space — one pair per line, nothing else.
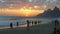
36, 29
22, 25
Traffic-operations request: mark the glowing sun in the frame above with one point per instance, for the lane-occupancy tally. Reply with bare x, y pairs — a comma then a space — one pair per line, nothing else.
30, 12
26, 12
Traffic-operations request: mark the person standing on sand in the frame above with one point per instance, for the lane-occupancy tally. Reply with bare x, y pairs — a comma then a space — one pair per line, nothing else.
27, 23
28, 26
11, 25
56, 23
35, 22
17, 24
39, 22
32, 23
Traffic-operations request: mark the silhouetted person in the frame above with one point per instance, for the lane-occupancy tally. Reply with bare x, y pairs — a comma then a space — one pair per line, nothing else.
32, 23
39, 22
35, 22
17, 24
27, 23
11, 25
56, 23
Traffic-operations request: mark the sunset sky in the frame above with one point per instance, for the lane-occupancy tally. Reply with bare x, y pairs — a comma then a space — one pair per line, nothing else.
26, 7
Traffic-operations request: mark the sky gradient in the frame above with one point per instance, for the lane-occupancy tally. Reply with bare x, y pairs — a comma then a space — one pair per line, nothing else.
30, 7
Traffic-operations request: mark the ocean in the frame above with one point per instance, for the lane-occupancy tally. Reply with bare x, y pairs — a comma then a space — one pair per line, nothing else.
5, 21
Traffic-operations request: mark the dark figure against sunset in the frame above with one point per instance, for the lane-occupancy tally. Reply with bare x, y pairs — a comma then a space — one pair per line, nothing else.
56, 23
39, 22
17, 24
35, 22
27, 23
11, 25
55, 29
32, 23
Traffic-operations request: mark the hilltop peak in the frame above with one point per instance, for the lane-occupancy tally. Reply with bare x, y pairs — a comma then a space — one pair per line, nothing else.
55, 13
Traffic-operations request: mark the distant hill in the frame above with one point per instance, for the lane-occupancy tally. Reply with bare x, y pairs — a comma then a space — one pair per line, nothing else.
55, 13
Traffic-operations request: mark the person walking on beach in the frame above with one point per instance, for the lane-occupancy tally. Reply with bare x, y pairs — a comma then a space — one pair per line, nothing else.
17, 24
11, 25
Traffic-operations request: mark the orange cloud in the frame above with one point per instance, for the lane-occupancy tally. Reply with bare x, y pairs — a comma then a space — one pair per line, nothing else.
20, 12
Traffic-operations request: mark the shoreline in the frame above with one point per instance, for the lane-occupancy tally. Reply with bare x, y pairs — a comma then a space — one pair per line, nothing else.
22, 26
8, 27
43, 28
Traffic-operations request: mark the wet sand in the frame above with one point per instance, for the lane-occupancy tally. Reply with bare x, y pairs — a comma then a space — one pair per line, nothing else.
22, 25
36, 29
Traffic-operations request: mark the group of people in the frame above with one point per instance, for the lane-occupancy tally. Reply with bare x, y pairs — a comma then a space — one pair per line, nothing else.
11, 25
28, 22
56, 29
33, 22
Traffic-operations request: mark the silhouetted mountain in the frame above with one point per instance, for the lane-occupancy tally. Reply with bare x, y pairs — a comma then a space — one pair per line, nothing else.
55, 13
